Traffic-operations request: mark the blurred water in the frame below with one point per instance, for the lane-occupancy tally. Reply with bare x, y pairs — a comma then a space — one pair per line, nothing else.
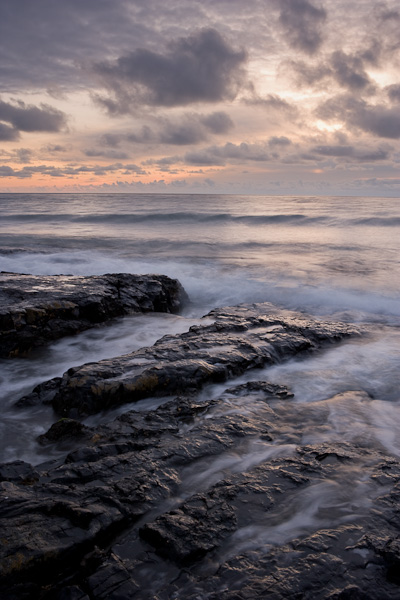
335, 258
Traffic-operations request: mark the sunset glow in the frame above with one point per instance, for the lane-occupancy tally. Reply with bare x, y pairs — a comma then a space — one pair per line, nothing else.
121, 96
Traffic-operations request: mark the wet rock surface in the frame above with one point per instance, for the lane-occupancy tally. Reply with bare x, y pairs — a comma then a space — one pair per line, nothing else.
37, 309
192, 500
212, 495
241, 338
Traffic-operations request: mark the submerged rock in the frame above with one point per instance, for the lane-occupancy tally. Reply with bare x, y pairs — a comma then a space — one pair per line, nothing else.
241, 338
37, 309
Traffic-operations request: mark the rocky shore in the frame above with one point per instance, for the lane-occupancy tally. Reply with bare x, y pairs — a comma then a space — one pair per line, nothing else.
35, 310
209, 496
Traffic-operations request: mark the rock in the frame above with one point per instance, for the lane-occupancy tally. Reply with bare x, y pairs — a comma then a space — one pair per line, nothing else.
37, 309
199, 500
241, 338
18, 471
208, 496
64, 429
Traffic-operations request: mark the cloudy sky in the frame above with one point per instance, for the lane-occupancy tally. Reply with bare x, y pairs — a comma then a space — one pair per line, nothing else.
262, 96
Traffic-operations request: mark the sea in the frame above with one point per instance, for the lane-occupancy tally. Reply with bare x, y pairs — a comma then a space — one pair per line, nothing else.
335, 258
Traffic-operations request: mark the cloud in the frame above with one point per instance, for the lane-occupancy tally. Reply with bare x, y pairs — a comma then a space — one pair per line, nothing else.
190, 129
307, 74
54, 148
378, 120
8, 134
162, 162
350, 152
114, 154
217, 122
393, 92
279, 141
176, 134
271, 102
202, 67
70, 170
43, 42
31, 118
110, 139
349, 71
24, 155
302, 23
345, 69
229, 153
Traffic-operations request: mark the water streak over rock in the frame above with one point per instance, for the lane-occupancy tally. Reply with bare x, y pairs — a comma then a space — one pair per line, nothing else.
241, 338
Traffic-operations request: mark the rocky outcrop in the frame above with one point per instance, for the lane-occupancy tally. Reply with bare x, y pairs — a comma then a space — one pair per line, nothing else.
241, 338
218, 495
198, 500
37, 309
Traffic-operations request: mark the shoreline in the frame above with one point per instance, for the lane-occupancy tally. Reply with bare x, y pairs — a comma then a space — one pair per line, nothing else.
214, 494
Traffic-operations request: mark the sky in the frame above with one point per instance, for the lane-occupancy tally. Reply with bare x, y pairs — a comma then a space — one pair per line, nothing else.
211, 96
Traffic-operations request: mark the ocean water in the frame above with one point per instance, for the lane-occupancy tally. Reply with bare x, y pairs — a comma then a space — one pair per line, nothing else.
334, 258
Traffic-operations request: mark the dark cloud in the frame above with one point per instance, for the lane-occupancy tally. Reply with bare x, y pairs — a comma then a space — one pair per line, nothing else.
175, 134
145, 135
30, 118
24, 155
110, 139
302, 23
217, 122
182, 135
55, 148
70, 170
378, 120
360, 155
202, 67
8, 134
114, 154
279, 141
190, 129
272, 102
42, 42
346, 70
336, 151
167, 161
204, 158
393, 92
373, 53
349, 71
307, 74
373, 155
229, 153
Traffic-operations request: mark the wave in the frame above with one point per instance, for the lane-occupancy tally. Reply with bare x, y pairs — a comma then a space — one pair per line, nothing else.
377, 221
196, 218
168, 217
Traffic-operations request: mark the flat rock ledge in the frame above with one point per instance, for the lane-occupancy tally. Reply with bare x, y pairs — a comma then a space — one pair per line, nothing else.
35, 310
241, 338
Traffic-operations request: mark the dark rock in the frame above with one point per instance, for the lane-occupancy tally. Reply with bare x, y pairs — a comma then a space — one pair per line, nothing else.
37, 309
216, 497
64, 429
188, 533
143, 510
18, 472
241, 338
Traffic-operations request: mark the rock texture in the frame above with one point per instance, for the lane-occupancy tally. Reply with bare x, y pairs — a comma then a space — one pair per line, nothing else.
241, 338
196, 500
213, 496
37, 309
